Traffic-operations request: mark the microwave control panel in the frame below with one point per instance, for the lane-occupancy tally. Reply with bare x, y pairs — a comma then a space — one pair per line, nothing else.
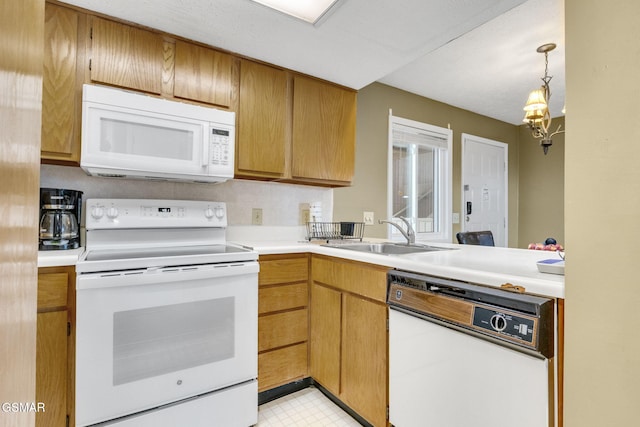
220, 144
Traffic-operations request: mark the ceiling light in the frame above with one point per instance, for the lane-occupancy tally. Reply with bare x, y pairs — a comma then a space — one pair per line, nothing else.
310, 11
537, 114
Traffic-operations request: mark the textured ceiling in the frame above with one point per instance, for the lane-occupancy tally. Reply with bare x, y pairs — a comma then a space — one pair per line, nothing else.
478, 55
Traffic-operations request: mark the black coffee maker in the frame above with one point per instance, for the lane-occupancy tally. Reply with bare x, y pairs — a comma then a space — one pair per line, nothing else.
59, 219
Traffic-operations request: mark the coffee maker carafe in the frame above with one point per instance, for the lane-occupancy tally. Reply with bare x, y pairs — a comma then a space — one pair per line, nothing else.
59, 219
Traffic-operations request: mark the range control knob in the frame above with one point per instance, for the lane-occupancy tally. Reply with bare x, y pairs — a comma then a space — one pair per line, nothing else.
219, 212
498, 322
112, 212
208, 213
97, 212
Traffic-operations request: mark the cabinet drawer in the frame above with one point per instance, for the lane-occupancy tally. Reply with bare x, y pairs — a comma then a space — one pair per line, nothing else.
52, 290
282, 297
282, 366
285, 270
278, 330
362, 279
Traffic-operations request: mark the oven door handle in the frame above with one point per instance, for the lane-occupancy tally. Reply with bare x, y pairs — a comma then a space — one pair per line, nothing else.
159, 275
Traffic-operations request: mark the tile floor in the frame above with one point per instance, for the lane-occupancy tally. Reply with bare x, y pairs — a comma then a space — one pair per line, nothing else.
304, 408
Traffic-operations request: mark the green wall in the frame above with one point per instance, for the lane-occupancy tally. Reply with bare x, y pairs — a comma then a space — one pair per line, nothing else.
541, 178
531, 173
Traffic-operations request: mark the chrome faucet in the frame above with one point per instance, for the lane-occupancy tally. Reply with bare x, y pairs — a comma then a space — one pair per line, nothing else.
410, 234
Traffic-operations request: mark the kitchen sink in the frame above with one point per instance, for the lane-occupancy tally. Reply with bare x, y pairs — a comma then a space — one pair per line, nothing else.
386, 248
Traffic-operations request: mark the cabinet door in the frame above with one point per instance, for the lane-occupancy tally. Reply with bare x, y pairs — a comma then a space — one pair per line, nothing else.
326, 308
364, 358
263, 115
60, 94
203, 74
126, 56
324, 129
282, 366
51, 368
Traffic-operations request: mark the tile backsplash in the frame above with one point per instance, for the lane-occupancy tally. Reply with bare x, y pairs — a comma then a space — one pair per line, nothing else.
280, 203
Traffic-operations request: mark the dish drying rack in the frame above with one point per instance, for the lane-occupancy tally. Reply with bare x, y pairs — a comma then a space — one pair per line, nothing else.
335, 230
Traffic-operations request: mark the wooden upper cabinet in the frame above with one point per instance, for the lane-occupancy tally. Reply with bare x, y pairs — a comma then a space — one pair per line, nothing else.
324, 129
263, 115
61, 93
125, 56
203, 74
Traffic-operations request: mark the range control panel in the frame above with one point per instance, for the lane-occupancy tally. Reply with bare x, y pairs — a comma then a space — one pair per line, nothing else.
153, 213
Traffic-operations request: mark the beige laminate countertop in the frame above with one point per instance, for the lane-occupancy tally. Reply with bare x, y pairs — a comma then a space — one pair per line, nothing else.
59, 257
491, 266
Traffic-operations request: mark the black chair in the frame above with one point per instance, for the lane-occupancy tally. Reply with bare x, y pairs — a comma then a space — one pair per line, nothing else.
482, 238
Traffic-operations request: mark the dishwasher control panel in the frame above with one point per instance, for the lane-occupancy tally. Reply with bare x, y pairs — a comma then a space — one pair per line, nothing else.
521, 321
505, 323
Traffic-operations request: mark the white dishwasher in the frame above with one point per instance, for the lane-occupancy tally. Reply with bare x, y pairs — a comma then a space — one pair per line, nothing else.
464, 355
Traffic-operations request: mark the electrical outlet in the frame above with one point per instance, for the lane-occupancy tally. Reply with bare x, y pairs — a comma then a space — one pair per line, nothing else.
305, 213
367, 218
455, 218
256, 216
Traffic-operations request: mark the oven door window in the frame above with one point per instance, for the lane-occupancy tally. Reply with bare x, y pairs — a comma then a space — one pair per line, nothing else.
155, 341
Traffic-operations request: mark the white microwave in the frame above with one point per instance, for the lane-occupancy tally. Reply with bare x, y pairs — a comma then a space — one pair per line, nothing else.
131, 135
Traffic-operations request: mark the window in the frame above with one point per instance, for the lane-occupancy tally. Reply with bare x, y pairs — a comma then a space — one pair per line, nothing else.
419, 182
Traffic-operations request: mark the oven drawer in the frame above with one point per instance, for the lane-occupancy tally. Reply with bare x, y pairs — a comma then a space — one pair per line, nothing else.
235, 407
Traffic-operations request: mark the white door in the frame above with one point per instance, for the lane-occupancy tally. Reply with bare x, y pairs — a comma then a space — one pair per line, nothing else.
484, 187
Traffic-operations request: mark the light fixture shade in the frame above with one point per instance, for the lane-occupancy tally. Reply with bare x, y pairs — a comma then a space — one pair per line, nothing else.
534, 115
536, 101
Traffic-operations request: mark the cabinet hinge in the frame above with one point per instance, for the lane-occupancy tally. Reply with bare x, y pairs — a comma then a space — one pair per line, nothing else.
387, 413
67, 421
89, 64
91, 33
387, 324
68, 329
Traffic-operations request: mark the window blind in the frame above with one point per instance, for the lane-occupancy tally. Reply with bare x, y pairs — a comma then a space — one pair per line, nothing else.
406, 135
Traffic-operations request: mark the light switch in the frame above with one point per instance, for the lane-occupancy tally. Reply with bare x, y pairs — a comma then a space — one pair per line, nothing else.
367, 218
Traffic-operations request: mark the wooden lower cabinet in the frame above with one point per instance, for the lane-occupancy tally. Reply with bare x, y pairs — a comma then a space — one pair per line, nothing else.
324, 358
55, 346
364, 358
349, 338
282, 366
283, 319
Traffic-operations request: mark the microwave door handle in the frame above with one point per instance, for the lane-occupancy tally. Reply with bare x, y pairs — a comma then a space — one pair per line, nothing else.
206, 144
